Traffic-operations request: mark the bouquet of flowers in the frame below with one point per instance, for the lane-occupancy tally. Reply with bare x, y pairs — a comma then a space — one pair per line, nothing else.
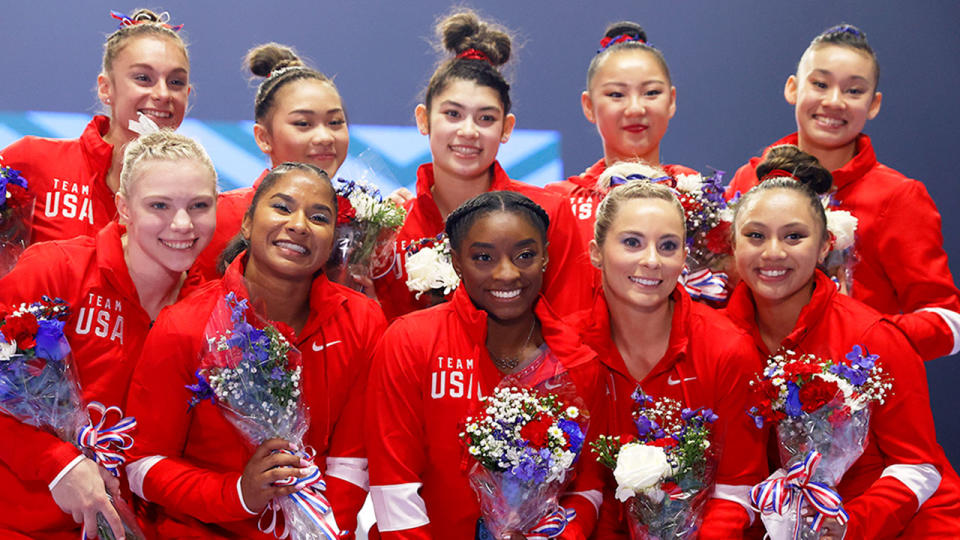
666, 473
525, 445
429, 269
39, 387
366, 227
821, 408
16, 217
253, 374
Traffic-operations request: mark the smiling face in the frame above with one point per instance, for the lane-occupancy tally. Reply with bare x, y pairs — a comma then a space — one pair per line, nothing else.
777, 245
307, 124
169, 211
642, 255
500, 261
631, 101
834, 94
151, 74
291, 230
466, 125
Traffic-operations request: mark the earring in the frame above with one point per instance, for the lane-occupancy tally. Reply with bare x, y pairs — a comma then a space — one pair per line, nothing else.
107, 101
543, 268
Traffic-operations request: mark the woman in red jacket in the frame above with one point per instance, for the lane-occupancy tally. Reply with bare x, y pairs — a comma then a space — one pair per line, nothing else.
650, 334
146, 73
433, 365
631, 98
466, 114
903, 270
193, 464
902, 485
299, 118
115, 283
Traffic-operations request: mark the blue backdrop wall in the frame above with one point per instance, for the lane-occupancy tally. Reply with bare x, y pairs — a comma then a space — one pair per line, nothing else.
729, 61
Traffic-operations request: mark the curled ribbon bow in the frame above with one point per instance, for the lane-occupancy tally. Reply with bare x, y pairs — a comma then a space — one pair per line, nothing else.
552, 525
774, 496
308, 497
127, 21
705, 283
107, 443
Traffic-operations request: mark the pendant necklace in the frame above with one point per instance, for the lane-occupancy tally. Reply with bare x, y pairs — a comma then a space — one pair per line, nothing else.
509, 363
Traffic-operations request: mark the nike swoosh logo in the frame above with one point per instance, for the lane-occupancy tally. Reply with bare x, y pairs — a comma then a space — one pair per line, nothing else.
673, 382
319, 348
548, 385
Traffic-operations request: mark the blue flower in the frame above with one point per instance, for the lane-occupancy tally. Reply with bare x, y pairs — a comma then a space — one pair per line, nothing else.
644, 425
858, 360
574, 434
201, 390
793, 407
51, 344
757, 418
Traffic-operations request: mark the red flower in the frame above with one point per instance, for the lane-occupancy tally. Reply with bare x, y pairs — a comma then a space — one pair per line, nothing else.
536, 430
670, 487
346, 213
796, 369
718, 238
817, 393
19, 197
627, 439
664, 442
22, 328
839, 416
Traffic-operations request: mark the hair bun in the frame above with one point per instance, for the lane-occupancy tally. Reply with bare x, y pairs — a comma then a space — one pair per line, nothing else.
804, 167
626, 28
146, 15
465, 30
263, 60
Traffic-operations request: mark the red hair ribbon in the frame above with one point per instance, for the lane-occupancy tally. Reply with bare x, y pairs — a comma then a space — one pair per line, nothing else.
127, 21
474, 54
778, 173
622, 38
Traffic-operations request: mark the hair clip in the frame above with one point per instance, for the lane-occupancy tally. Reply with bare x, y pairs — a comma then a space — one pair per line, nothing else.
778, 173
474, 54
619, 180
127, 21
622, 38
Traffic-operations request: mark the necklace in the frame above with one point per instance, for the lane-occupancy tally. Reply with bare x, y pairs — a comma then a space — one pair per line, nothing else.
509, 363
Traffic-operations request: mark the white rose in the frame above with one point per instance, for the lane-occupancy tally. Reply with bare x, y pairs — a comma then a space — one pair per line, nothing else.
7, 349
843, 225
639, 467
689, 183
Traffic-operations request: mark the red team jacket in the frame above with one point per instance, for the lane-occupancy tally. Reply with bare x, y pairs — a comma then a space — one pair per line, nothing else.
565, 285
884, 488
68, 178
231, 206
584, 198
708, 363
106, 330
189, 462
903, 270
429, 371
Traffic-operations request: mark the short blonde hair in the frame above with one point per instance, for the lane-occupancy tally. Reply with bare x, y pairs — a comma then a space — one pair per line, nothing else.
163, 145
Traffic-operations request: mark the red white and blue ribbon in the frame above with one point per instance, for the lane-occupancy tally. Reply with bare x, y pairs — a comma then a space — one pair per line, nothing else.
107, 443
705, 283
552, 525
308, 498
774, 496
127, 21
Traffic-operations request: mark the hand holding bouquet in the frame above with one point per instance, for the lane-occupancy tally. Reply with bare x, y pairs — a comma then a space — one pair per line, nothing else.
39, 387
664, 474
525, 445
821, 408
253, 374
16, 217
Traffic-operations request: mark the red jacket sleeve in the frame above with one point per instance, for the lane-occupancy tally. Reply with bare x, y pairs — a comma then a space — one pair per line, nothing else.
919, 272
347, 473
158, 399
903, 431
395, 436
38, 455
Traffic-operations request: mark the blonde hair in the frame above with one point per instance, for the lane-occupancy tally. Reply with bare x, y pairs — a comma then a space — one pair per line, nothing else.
148, 23
163, 145
634, 189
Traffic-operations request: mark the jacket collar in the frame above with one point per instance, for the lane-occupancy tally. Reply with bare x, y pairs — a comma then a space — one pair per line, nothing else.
425, 182
864, 159
112, 263
742, 311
